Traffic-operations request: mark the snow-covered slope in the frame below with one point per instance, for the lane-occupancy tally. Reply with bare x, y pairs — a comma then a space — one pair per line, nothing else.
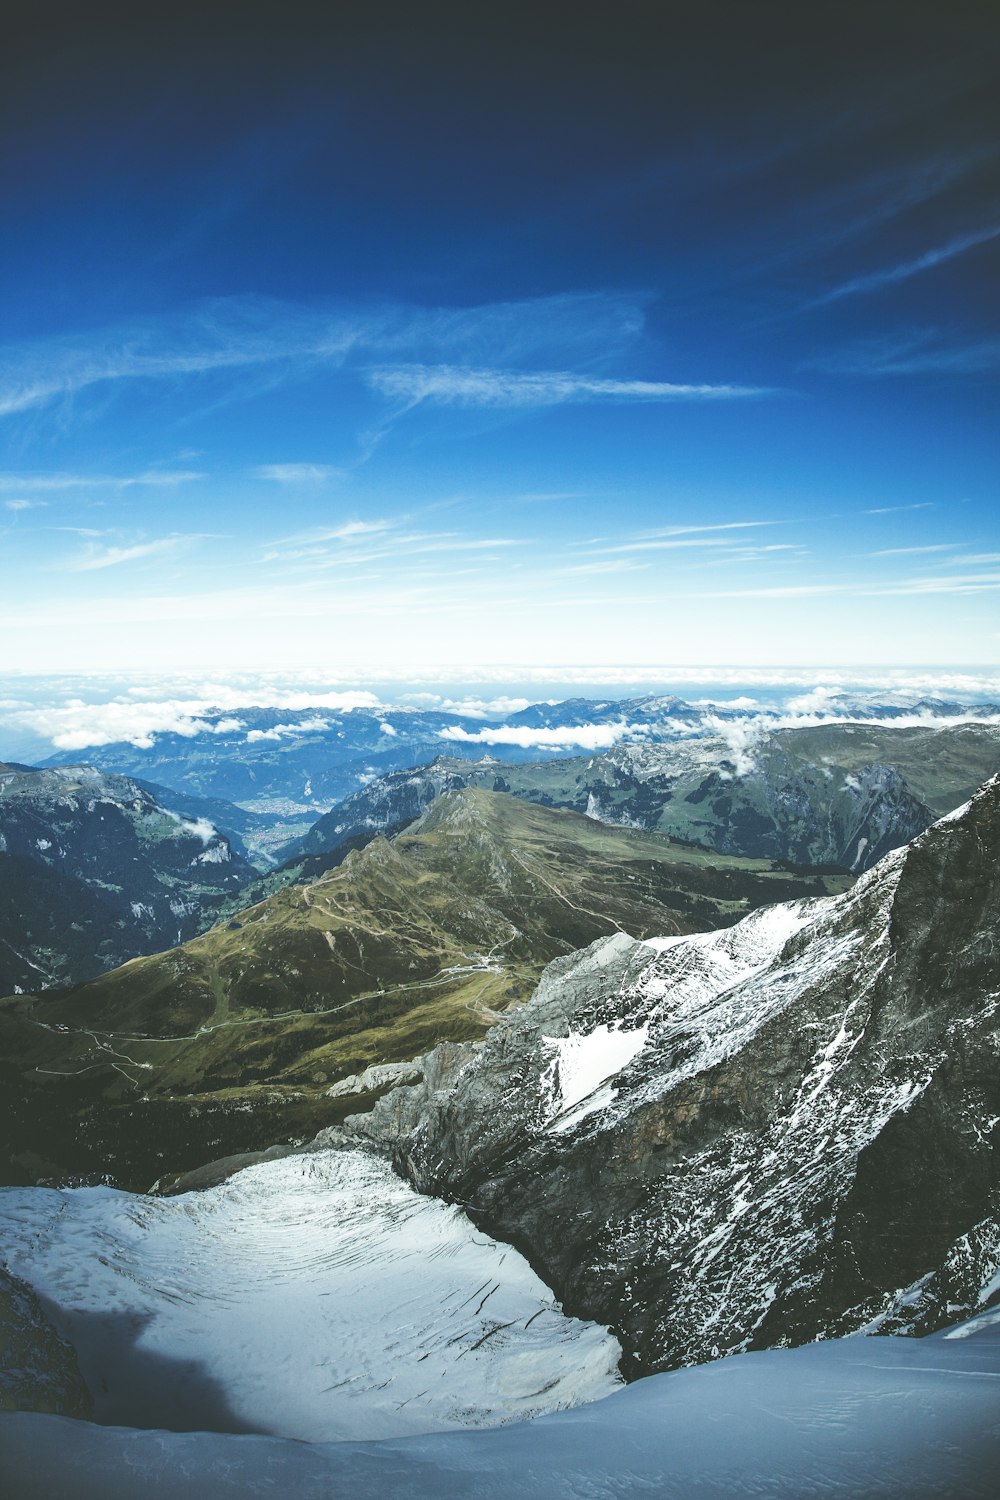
317, 1298
851, 1419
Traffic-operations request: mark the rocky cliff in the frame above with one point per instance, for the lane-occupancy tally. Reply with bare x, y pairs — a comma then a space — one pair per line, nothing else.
753, 1137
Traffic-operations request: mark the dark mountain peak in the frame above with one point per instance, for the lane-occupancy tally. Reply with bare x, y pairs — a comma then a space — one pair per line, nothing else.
94, 870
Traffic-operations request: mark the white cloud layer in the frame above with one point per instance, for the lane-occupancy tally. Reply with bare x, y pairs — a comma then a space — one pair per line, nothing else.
288, 731
78, 725
797, 699
580, 737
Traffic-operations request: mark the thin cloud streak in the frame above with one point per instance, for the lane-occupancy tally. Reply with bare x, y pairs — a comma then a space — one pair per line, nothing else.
875, 279
459, 385
891, 510
913, 353
111, 557
53, 483
912, 551
237, 333
296, 473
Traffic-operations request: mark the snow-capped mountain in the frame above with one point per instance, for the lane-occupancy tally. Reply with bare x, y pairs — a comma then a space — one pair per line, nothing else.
753, 1137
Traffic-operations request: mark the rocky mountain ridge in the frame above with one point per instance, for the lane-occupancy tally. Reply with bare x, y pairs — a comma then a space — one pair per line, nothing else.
230, 1042
755, 1137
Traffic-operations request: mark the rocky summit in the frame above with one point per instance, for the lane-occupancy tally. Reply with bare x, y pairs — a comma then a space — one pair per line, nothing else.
782, 1131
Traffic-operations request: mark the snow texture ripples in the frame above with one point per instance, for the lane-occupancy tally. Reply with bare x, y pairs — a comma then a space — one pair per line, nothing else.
317, 1297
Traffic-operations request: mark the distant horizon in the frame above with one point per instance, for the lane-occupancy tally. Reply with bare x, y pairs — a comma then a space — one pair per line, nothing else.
41, 714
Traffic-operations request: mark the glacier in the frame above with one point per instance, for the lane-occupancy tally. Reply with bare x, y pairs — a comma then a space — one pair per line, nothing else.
317, 1298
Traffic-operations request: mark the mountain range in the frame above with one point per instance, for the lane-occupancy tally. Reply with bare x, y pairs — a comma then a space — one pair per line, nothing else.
292, 766
837, 794
781, 1131
729, 1148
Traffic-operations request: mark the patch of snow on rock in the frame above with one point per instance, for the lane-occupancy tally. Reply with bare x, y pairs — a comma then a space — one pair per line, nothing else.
583, 1063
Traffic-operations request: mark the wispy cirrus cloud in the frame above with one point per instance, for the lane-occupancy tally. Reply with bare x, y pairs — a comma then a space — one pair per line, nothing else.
36, 483
228, 335
347, 531
397, 541
892, 510
225, 335
963, 583
668, 531
722, 536
461, 385
95, 557
932, 547
923, 351
890, 275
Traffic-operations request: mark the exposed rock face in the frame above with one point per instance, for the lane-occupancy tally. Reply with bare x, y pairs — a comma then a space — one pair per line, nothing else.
784, 1130
94, 871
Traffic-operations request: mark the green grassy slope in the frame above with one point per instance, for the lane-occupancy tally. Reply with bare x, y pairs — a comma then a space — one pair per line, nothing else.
230, 1042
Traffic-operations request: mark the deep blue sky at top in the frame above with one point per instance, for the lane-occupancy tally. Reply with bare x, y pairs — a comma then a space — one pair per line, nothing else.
476, 332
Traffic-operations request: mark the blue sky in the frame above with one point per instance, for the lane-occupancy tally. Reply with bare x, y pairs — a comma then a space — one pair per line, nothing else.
442, 334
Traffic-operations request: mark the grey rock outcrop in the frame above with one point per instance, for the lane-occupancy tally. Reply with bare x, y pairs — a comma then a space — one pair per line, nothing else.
781, 1131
